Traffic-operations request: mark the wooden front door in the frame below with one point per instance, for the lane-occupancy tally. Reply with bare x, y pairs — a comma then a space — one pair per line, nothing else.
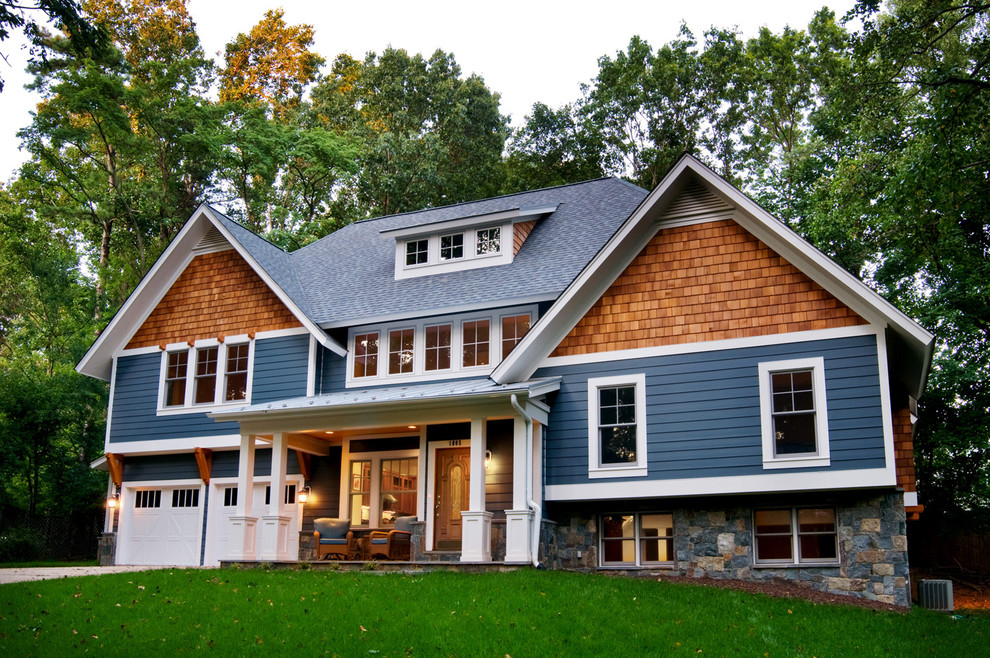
453, 471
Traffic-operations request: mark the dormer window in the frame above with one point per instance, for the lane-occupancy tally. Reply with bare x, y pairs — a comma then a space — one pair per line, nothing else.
417, 252
451, 246
463, 243
488, 241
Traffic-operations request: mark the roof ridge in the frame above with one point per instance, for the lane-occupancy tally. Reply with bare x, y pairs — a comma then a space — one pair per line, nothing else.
490, 198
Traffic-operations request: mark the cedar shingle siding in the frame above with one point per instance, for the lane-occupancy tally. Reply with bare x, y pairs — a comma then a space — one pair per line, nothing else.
702, 282
218, 294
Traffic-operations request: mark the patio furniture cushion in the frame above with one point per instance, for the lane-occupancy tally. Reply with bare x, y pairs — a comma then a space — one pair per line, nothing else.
332, 529
404, 523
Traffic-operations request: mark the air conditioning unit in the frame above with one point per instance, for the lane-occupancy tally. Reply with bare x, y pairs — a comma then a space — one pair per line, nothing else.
936, 595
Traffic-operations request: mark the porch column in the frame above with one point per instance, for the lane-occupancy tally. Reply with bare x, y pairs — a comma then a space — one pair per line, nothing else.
242, 524
476, 531
275, 524
519, 520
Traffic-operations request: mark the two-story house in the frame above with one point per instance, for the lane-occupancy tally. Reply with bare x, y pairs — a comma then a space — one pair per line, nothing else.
588, 376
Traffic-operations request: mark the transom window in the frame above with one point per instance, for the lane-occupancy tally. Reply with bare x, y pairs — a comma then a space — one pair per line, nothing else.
637, 539
148, 498
400, 351
793, 409
417, 252
617, 426
230, 496
452, 246
795, 536
185, 498
450, 346
488, 241
220, 374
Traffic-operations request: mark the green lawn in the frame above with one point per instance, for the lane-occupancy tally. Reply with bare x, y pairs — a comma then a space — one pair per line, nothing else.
525, 613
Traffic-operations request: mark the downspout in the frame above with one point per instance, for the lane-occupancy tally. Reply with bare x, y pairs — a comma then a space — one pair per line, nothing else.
537, 510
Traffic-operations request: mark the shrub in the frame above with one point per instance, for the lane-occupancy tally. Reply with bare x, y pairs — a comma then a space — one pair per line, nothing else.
21, 545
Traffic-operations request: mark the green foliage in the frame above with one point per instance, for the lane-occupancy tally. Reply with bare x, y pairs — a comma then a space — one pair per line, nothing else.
20, 545
523, 613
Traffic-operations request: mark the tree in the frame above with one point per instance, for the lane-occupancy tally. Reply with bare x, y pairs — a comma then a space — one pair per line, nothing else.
553, 148
428, 135
65, 14
272, 64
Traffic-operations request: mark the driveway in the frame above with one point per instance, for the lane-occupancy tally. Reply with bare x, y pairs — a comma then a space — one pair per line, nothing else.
45, 573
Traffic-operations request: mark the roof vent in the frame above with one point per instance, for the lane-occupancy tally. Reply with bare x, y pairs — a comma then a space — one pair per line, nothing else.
696, 202
936, 595
212, 241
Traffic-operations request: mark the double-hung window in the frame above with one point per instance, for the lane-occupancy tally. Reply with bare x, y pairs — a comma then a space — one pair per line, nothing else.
438, 347
794, 421
205, 375
795, 536
366, 355
514, 327
617, 426
401, 347
476, 343
635, 540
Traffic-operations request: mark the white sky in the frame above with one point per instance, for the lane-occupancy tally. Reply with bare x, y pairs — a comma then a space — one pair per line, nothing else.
527, 51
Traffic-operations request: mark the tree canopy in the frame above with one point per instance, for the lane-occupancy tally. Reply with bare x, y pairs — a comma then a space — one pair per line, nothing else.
870, 141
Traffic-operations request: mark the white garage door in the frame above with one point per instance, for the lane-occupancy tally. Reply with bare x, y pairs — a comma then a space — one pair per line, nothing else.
162, 526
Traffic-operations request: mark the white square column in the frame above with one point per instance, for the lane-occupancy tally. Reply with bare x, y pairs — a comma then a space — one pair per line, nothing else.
275, 524
242, 524
476, 528
519, 520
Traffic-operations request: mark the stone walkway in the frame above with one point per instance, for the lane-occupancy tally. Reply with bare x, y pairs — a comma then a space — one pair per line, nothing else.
45, 573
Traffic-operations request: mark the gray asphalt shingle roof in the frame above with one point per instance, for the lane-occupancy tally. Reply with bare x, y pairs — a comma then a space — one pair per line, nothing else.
348, 277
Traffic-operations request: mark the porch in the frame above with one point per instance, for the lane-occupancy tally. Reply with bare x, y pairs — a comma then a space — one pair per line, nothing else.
459, 461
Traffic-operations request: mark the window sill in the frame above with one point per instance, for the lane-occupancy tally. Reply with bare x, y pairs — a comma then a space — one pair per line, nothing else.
617, 472
794, 565
200, 409
796, 462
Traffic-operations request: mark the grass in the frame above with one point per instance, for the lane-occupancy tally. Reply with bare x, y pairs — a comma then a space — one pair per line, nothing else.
526, 613
49, 563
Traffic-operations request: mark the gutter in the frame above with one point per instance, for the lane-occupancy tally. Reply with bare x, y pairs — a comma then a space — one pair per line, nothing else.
537, 510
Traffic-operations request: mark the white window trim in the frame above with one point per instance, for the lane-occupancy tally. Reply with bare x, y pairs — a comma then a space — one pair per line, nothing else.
795, 543
221, 384
470, 260
420, 373
636, 469
817, 459
637, 539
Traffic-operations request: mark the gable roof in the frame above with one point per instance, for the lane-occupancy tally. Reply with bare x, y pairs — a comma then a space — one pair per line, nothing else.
267, 260
350, 277
913, 340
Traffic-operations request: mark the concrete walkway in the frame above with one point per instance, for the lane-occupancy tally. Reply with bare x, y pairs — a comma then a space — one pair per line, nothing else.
45, 573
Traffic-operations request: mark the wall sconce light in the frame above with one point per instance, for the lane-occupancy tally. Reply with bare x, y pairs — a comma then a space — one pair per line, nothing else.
304, 494
113, 502
488, 458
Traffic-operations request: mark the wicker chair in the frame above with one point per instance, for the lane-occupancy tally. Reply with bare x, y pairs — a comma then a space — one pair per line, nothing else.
394, 544
334, 539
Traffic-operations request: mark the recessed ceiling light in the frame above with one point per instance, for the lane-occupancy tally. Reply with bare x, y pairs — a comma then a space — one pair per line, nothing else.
329, 432
412, 427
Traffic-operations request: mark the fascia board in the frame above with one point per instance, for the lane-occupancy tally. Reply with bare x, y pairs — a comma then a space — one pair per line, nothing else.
515, 215
145, 297
589, 284
313, 328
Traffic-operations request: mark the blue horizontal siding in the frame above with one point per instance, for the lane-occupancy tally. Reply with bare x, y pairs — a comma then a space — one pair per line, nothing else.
134, 415
184, 467
332, 371
703, 410
280, 368
225, 463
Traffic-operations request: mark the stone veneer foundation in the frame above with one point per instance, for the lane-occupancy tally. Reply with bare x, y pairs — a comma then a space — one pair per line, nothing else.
714, 538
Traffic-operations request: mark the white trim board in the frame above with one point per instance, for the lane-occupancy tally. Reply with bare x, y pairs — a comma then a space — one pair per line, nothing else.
713, 346
779, 481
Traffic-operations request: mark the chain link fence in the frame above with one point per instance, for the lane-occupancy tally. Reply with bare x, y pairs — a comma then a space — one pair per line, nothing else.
28, 538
